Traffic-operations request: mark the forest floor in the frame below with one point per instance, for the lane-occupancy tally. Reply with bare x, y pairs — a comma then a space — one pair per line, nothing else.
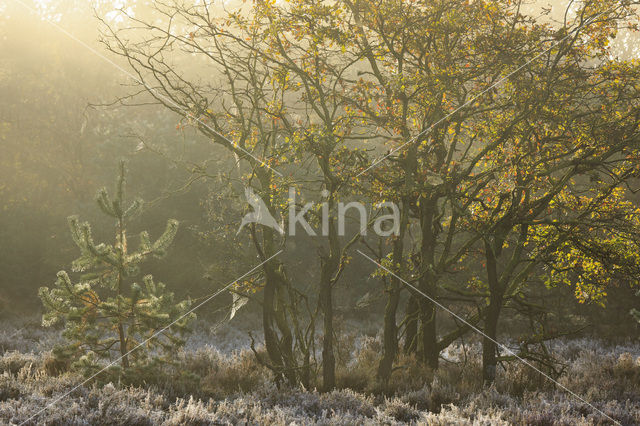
216, 380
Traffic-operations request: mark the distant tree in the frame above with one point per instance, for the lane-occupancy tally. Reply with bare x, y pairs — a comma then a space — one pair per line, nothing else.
101, 314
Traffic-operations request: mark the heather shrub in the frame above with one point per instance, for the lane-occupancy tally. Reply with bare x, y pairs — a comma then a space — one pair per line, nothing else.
627, 367
27, 335
460, 376
314, 404
203, 373
237, 373
13, 362
410, 374
9, 389
359, 372
400, 410
518, 378
604, 377
55, 366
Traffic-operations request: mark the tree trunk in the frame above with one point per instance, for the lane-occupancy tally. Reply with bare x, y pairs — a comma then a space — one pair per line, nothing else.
279, 349
390, 334
430, 352
268, 319
286, 344
489, 347
411, 323
123, 346
329, 269
328, 357
390, 331
122, 245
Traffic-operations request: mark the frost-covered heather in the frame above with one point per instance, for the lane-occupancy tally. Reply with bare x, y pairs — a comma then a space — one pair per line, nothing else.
225, 337
209, 385
27, 335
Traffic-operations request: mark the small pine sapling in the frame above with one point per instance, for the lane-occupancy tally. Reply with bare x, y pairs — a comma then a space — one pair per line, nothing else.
103, 312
